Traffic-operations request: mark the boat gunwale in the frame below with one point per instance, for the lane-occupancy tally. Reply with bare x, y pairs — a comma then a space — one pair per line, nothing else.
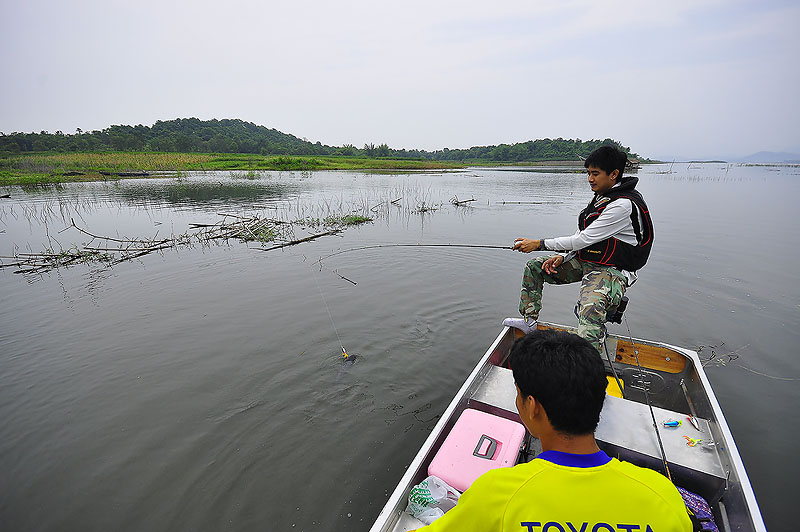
722, 425
398, 496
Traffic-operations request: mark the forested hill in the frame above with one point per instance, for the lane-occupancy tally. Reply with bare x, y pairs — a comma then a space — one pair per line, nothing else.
189, 135
185, 135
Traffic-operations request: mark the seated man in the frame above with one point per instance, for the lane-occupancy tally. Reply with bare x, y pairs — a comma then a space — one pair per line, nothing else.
572, 486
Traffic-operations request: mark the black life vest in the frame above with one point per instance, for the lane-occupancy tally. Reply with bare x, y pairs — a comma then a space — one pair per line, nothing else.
613, 252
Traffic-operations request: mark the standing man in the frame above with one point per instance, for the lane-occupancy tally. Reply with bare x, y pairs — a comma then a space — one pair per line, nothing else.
613, 240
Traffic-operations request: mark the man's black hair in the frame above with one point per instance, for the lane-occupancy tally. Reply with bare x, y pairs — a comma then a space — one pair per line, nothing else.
608, 159
564, 373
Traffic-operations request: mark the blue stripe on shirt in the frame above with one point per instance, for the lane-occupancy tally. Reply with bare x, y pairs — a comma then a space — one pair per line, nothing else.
575, 460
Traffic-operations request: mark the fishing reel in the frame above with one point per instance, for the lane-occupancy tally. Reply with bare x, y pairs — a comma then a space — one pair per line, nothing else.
617, 316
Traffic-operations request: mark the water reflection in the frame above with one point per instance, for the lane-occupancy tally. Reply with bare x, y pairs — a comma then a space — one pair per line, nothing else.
189, 193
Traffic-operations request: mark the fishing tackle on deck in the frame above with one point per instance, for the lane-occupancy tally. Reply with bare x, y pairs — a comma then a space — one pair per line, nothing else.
692, 442
671, 423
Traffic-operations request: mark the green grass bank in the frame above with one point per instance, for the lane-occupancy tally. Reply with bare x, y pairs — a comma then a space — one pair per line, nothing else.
43, 168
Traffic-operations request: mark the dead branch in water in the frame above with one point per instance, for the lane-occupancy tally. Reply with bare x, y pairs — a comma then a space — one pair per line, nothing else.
460, 203
301, 240
100, 237
115, 250
423, 208
343, 277
392, 202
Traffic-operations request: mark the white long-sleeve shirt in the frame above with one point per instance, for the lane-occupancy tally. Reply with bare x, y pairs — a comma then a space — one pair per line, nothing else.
614, 221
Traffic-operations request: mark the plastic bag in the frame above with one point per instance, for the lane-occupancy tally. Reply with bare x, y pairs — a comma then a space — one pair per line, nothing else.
431, 498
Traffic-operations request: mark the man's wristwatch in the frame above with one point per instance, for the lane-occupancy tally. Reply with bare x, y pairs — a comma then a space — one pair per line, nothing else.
541, 245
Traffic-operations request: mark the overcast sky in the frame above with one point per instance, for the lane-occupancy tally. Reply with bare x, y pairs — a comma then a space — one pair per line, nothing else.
682, 78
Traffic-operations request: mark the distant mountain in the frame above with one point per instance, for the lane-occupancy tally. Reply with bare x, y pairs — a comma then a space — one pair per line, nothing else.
237, 136
771, 157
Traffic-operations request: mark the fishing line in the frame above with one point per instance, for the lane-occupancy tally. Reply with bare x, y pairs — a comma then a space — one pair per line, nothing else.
768, 376
322, 296
647, 398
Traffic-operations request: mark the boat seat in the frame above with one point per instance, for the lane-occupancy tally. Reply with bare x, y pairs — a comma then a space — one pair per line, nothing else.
496, 393
625, 430
629, 425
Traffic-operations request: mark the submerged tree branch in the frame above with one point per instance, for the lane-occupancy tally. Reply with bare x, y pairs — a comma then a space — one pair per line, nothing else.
301, 240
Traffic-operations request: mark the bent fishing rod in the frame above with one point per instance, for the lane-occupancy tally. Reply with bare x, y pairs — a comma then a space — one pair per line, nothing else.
375, 246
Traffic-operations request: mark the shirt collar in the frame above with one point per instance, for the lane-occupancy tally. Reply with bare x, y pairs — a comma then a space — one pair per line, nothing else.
575, 460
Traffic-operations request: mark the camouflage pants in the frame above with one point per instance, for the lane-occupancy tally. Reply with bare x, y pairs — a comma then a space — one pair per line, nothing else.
602, 288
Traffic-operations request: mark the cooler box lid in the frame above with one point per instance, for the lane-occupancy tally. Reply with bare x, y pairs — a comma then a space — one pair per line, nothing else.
478, 442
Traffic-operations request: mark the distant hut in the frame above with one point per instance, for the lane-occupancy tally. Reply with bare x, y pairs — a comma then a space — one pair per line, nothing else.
632, 166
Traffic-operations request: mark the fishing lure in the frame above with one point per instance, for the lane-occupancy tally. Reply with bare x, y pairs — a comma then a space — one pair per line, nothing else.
344, 353
671, 423
691, 442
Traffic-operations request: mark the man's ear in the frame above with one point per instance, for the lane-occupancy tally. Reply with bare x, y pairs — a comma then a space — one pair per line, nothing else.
529, 407
614, 174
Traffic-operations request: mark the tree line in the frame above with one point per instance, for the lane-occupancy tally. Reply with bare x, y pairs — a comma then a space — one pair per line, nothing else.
191, 135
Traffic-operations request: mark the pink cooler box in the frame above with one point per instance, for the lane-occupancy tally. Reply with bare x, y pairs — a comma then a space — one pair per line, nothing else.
478, 442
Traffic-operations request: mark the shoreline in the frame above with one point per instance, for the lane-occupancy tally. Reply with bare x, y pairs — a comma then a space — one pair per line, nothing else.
54, 168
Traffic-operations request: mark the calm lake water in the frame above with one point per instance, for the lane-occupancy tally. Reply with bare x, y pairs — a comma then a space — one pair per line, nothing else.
203, 389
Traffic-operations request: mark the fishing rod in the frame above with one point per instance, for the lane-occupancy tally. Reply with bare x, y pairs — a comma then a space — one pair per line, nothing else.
649, 404
480, 246
613, 369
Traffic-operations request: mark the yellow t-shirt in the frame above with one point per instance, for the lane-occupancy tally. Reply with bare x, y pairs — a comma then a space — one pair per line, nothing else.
561, 492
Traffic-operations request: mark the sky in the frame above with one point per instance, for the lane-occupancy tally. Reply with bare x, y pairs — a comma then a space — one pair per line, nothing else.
678, 79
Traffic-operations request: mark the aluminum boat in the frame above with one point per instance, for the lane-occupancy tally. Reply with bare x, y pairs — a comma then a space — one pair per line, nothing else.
670, 378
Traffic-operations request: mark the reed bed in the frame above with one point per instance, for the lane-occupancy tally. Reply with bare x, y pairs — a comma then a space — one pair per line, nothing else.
109, 251
281, 224
114, 161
